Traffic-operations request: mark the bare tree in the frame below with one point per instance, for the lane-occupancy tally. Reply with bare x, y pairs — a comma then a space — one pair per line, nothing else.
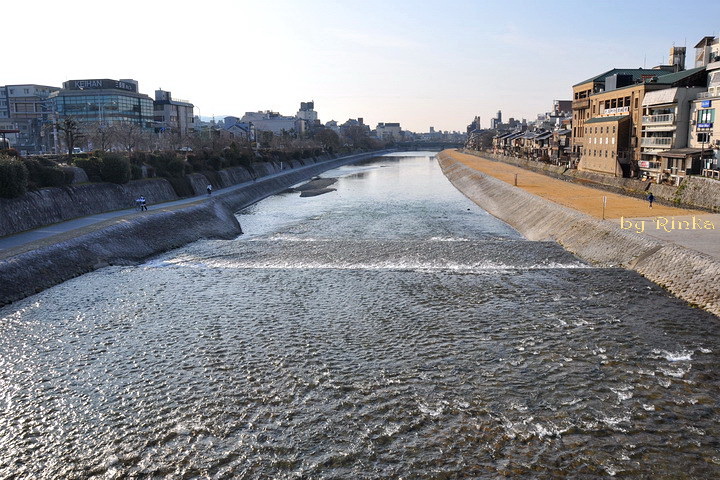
70, 129
99, 136
130, 136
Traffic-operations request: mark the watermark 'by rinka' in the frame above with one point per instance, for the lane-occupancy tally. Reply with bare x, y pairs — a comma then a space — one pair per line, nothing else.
666, 224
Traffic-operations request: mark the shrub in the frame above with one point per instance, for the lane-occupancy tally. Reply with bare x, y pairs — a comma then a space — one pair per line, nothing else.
136, 171
167, 164
13, 177
115, 168
52, 177
216, 162
10, 152
92, 167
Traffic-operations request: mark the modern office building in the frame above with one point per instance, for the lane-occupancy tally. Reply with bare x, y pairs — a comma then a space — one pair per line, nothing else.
104, 102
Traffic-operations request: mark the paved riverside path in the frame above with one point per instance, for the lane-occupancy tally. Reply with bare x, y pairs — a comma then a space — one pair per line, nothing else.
662, 221
46, 232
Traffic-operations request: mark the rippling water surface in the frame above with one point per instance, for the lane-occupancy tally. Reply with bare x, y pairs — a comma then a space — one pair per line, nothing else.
390, 329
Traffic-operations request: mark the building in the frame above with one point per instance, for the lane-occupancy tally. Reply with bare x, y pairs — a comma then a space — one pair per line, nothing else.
241, 130
269, 121
607, 113
497, 121
24, 108
665, 125
704, 132
389, 131
307, 112
104, 102
172, 116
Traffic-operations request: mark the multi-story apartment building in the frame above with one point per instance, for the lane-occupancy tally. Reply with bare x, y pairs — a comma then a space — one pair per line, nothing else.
704, 132
663, 146
389, 131
24, 108
172, 116
607, 111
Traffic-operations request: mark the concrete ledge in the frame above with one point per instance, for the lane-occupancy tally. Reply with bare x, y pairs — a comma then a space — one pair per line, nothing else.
33, 267
690, 275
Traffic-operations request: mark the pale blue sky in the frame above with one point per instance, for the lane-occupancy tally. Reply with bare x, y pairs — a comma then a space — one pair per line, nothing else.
418, 63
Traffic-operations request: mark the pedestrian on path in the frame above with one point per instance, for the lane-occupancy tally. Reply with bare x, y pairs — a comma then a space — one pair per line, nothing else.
651, 198
143, 203
209, 189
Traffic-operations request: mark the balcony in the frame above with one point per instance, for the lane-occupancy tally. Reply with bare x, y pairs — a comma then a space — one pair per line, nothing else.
664, 119
581, 103
656, 142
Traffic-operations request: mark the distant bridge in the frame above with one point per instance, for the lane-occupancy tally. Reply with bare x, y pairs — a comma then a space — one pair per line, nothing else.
414, 146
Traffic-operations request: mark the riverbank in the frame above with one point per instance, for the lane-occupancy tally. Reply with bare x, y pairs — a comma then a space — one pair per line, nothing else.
694, 192
35, 266
541, 208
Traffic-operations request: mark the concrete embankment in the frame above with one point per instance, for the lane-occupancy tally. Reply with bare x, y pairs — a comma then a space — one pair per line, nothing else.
39, 265
53, 205
690, 275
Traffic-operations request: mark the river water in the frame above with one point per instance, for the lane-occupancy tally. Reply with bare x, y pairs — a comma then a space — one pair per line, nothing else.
389, 329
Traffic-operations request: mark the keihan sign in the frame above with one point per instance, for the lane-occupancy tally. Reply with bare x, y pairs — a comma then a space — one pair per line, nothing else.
101, 84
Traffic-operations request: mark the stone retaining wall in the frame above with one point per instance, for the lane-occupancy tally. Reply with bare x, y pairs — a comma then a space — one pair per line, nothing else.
53, 205
688, 274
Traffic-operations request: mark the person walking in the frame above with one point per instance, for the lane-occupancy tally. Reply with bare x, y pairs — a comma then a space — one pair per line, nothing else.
651, 198
209, 189
143, 203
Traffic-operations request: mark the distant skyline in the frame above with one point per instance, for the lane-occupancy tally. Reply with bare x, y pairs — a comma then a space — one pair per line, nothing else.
420, 64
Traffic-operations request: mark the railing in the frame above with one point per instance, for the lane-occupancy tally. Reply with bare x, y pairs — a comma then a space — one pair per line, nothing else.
666, 118
650, 165
656, 141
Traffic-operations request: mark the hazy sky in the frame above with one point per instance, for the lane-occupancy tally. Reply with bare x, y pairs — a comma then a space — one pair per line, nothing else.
418, 63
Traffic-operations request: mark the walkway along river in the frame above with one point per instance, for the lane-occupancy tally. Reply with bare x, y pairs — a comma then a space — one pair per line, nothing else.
389, 329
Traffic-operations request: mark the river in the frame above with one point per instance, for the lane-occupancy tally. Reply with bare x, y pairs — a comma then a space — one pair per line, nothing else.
388, 329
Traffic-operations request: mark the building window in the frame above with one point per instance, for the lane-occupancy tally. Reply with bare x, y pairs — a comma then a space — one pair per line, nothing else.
613, 128
627, 101
706, 116
636, 103
613, 104
703, 137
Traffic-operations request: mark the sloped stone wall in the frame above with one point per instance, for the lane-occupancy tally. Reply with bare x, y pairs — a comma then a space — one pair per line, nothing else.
690, 275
